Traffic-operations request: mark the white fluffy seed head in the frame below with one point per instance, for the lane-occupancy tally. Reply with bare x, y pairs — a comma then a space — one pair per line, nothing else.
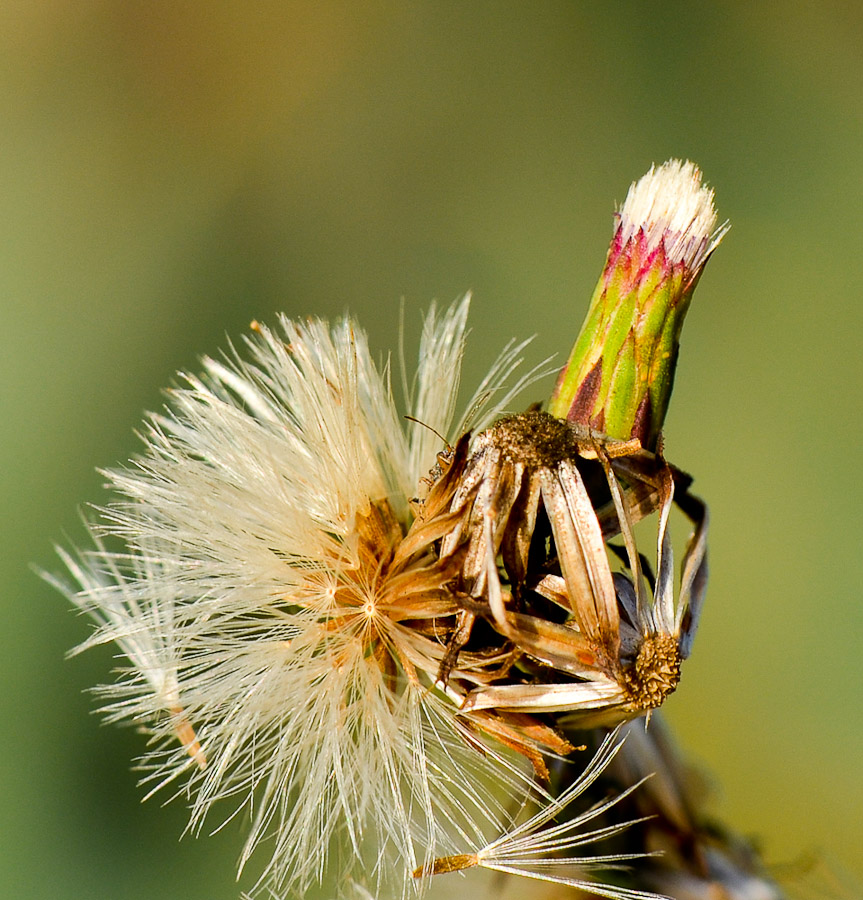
670, 205
245, 606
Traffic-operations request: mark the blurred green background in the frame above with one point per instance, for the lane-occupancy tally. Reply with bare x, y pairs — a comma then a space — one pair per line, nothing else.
171, 170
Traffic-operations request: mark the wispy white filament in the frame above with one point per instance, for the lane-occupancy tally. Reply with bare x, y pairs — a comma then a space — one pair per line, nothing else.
541, 847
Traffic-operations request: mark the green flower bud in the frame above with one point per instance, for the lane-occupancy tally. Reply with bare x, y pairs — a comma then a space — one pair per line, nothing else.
619, 375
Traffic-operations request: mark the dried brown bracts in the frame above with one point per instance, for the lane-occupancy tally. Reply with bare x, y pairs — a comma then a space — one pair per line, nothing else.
527, 509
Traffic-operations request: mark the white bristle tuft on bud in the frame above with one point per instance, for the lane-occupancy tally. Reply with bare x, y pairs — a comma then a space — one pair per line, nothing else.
670, 205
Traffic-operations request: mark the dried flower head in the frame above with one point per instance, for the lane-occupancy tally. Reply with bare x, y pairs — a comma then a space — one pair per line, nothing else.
545, 496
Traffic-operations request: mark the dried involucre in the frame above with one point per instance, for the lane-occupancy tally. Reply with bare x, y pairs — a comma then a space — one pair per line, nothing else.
545, 495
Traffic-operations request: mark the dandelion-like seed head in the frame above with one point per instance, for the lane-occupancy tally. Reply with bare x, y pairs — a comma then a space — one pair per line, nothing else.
283, 634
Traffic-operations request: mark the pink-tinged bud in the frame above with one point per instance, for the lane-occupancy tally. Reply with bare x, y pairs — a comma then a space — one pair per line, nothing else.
619, 375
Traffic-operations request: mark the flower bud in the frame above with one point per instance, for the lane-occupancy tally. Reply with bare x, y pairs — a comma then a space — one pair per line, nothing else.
619, 375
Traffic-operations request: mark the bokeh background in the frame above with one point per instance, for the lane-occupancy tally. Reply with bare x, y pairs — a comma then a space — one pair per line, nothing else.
171, 170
